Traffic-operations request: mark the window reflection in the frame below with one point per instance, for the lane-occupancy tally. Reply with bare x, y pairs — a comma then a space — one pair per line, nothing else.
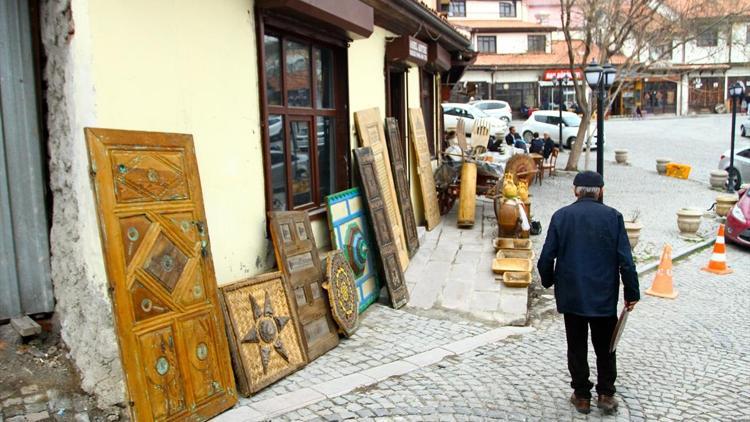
323, 77
273, 69
326, 161
300, 146
298, 74
278, 162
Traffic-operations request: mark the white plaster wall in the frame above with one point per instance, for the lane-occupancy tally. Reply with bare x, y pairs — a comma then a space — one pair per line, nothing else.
191, 67
738, 71
518, 76
482, 9
514, 43
78, 273
477, 76
740, 47
702, 55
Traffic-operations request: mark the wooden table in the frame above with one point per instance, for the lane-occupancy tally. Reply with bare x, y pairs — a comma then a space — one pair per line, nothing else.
539, 161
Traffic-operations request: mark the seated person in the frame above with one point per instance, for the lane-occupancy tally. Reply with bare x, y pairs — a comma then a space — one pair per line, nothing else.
549, 145
520, 144
512, 136
537, 145
493, 144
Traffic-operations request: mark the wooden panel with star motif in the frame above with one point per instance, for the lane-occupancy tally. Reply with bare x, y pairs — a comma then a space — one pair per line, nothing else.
263, 331
297, 257
342, 292
391, 265
157, 253
398, 163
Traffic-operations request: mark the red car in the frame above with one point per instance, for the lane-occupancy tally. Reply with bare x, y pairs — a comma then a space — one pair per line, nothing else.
738, 220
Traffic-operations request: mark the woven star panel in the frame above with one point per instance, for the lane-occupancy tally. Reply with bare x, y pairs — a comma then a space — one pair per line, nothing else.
263, 331
350, 233
342, 293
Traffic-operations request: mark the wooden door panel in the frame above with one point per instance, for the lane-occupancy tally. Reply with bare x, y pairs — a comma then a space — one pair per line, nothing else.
297, 257
398, 164
164, 382
391, 265
426, 178
371, 134
157, 252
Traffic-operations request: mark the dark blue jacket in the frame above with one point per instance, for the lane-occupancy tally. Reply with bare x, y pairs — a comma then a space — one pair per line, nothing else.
585, 254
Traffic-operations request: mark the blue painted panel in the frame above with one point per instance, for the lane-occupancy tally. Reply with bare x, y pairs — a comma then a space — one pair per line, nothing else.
350, 233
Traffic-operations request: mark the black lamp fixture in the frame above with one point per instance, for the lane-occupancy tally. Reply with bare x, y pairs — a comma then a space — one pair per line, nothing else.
600, 79
736, 91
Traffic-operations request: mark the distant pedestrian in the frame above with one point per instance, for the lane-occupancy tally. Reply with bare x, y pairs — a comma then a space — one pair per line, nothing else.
512, 136
521, 144
638, 112
549, 145
537, 145
584, 256
494, 144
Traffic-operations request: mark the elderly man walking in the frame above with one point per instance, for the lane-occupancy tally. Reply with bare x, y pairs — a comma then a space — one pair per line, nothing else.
584, 256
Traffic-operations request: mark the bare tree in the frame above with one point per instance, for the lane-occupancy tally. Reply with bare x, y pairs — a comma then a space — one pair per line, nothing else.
635, 35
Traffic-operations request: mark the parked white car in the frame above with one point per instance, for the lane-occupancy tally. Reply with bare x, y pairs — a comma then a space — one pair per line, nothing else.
454, 111
548, 121
495, 108
741, 163
745, 126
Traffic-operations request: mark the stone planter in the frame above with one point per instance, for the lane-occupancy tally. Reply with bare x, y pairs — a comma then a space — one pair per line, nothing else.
718, 179
661, 165
724, 203
689, 220
633, 228
621, 156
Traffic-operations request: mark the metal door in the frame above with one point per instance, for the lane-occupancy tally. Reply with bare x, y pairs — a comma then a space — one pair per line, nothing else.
25, 285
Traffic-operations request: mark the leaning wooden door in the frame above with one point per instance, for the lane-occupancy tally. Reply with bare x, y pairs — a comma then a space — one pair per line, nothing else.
158, 257
297, 256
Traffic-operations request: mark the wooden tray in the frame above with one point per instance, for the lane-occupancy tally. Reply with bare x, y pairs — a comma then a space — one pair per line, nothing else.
515, 253
502, 265
511, 243
516, 279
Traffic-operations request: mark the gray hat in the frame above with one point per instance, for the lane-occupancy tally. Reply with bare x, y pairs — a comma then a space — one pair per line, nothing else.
589, 179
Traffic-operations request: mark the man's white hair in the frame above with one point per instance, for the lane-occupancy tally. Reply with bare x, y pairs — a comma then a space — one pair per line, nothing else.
588, 191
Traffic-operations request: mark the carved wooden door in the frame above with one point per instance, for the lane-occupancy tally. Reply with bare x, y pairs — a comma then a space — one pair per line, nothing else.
297, 256
371, 134
392, 270
158, 258
426, 178
398, 163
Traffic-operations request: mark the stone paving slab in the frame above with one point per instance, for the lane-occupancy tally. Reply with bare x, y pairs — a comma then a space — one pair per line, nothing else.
682, 359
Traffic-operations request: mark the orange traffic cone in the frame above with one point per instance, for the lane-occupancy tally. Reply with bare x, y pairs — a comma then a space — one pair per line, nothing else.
662, 285
718, 262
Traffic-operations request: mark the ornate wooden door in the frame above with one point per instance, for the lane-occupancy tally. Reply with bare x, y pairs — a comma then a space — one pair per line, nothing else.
158, 258
371, 134
427, 181
398, 163
392, 270
297, 256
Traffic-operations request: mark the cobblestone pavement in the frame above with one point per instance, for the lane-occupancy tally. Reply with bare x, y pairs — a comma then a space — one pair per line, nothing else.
385, 335
682, 359
697, 141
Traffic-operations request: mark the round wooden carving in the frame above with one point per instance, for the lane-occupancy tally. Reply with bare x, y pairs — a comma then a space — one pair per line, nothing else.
342, 293
522, 167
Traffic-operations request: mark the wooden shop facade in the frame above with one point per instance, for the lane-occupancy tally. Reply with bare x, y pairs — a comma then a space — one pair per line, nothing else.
155, 126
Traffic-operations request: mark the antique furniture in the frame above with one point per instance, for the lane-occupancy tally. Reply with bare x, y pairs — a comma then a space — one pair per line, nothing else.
403, 190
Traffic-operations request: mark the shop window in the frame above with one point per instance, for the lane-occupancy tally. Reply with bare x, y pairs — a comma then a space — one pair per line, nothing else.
537, 43
507, 9
304, 85
457, 8
487, 44
429, 107
708, 38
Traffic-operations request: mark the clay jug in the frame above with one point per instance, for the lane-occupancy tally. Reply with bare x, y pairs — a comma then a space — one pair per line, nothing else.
508, 218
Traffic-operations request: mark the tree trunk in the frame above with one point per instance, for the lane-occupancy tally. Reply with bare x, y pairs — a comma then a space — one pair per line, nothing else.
575, 153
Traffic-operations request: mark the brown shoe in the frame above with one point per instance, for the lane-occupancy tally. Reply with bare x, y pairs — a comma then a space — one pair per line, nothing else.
608, 404
582, 405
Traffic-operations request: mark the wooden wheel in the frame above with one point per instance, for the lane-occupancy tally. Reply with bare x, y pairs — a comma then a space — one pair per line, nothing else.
522, 167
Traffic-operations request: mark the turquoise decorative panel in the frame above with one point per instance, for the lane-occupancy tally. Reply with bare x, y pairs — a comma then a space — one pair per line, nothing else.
350, 233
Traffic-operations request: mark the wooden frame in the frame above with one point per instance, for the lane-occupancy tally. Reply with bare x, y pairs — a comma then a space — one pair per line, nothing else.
391, 265
163, 287
424, 168
249, 307
398, 164
285, 27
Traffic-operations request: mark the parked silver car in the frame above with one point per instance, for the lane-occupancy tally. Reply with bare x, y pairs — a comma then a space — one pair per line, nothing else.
741, 163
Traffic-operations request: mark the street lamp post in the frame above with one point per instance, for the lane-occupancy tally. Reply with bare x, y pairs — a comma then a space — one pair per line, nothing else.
560, 83
600, 79
736, 91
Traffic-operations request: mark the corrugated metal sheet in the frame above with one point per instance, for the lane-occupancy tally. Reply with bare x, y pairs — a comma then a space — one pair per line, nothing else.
25, 285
